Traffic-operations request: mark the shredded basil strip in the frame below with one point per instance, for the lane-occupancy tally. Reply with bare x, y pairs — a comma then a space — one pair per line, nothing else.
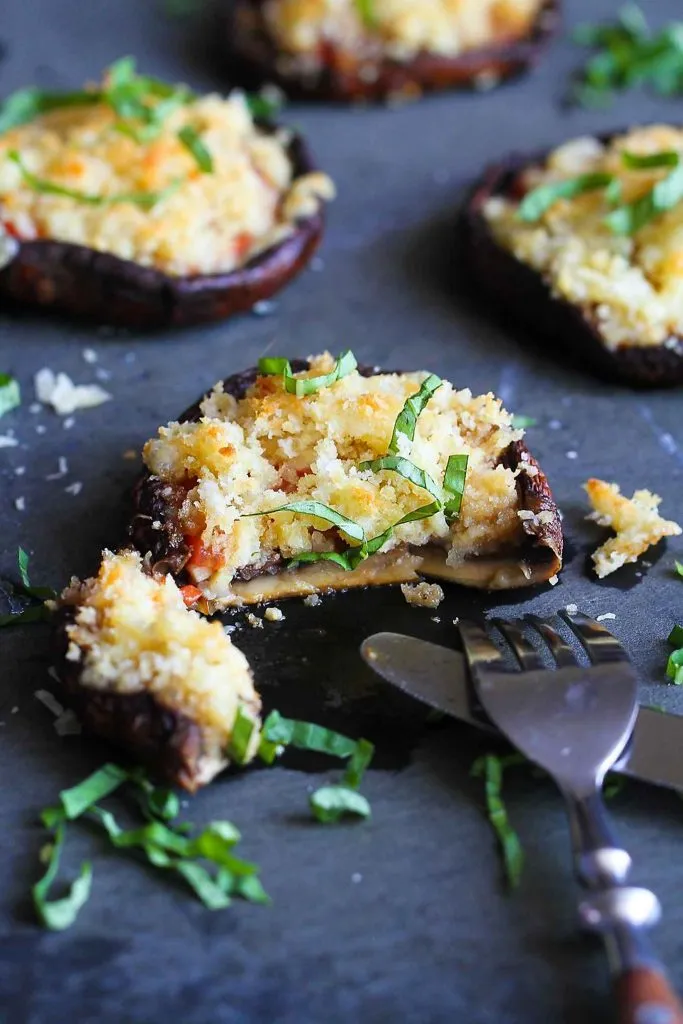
147, 200
191, 140
263, 108
61, 913
492, 768
454, 483
629, 54
666, 194
300, 386
289, 732
242, 731
679, 568
320, 511
407, 469
676, 636
360, 759
539, 200
366, 10
647, 161
27, 104
406, 421
330, 804
10, 394
34, 612
674, 667
520, 422
80, 798
41, 593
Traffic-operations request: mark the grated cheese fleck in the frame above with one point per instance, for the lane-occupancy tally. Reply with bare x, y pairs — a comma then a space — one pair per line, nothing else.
59, 391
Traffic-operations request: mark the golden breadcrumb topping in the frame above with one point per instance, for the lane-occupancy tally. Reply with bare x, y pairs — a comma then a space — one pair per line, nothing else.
630, 285
272, 448
132, 632
401, 28
423, 595
203, 222
635, 521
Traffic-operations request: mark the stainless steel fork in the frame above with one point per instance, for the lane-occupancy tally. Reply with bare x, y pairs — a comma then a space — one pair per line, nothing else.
574, 721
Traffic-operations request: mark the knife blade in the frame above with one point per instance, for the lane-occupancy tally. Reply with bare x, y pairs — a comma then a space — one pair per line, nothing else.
437, 676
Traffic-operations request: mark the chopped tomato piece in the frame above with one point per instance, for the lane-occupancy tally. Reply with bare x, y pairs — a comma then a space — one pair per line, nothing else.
201, 556
242, 244
191, 594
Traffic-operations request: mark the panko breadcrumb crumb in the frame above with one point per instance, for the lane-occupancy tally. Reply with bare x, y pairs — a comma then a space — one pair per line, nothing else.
423, 595
635, 521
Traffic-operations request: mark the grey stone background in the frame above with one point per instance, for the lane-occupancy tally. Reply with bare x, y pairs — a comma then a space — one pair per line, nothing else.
425, 932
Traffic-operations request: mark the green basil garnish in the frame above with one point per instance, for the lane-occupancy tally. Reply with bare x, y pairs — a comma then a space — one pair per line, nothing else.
666, 194
491, 767
320, 511
290, 732
406, 421
648, 161
539, 200
147, 200
60, 914
34, 612
366, 10
454, 484
242, 731
194, 145
405, 468
520, 422
10, 394
274, 366
25, 105
330, 804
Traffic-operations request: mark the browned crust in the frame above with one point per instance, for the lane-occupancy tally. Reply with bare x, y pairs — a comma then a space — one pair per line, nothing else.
525, 294
543, 541
98, 286
254, 58
153, 734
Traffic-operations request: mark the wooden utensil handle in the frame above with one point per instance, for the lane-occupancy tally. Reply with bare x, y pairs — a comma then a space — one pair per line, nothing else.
644, 996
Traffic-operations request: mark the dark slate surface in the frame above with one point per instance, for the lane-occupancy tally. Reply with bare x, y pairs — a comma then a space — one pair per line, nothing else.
404, 918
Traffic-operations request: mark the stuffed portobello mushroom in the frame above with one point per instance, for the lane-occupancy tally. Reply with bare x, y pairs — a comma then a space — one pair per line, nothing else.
351, 50
295, 479
142, 204
151, 676
585, 246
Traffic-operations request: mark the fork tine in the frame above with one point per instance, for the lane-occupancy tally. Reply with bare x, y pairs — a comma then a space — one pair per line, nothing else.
559, 648
480, 650
599, 643
526, 655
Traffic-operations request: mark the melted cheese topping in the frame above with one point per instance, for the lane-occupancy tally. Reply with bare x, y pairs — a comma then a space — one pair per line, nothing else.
272, 448
132, 633
635, 521
212, 223
632, 287
401, 28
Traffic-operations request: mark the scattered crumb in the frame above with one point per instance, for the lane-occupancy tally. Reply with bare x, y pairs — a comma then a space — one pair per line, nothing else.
34, 407
74, 488
19, 470
555, 425
102, 374
264, 308
312, 601
273, 615
62, 469
60, 392
356, 877
571, 609
554, 580
157, 524
7, 441
50, 702
14, 710
40, 429
604, 616
572, 455
435, 618
456, 620
90, 355
130, 454
424, 595
635, 521
254, 621
68, 422
67, 724
20, 503
229, 629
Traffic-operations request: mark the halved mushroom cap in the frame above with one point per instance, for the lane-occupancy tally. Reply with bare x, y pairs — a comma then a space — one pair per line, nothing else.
156, 532
175, 727
254, 58
93, 285
524, 293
